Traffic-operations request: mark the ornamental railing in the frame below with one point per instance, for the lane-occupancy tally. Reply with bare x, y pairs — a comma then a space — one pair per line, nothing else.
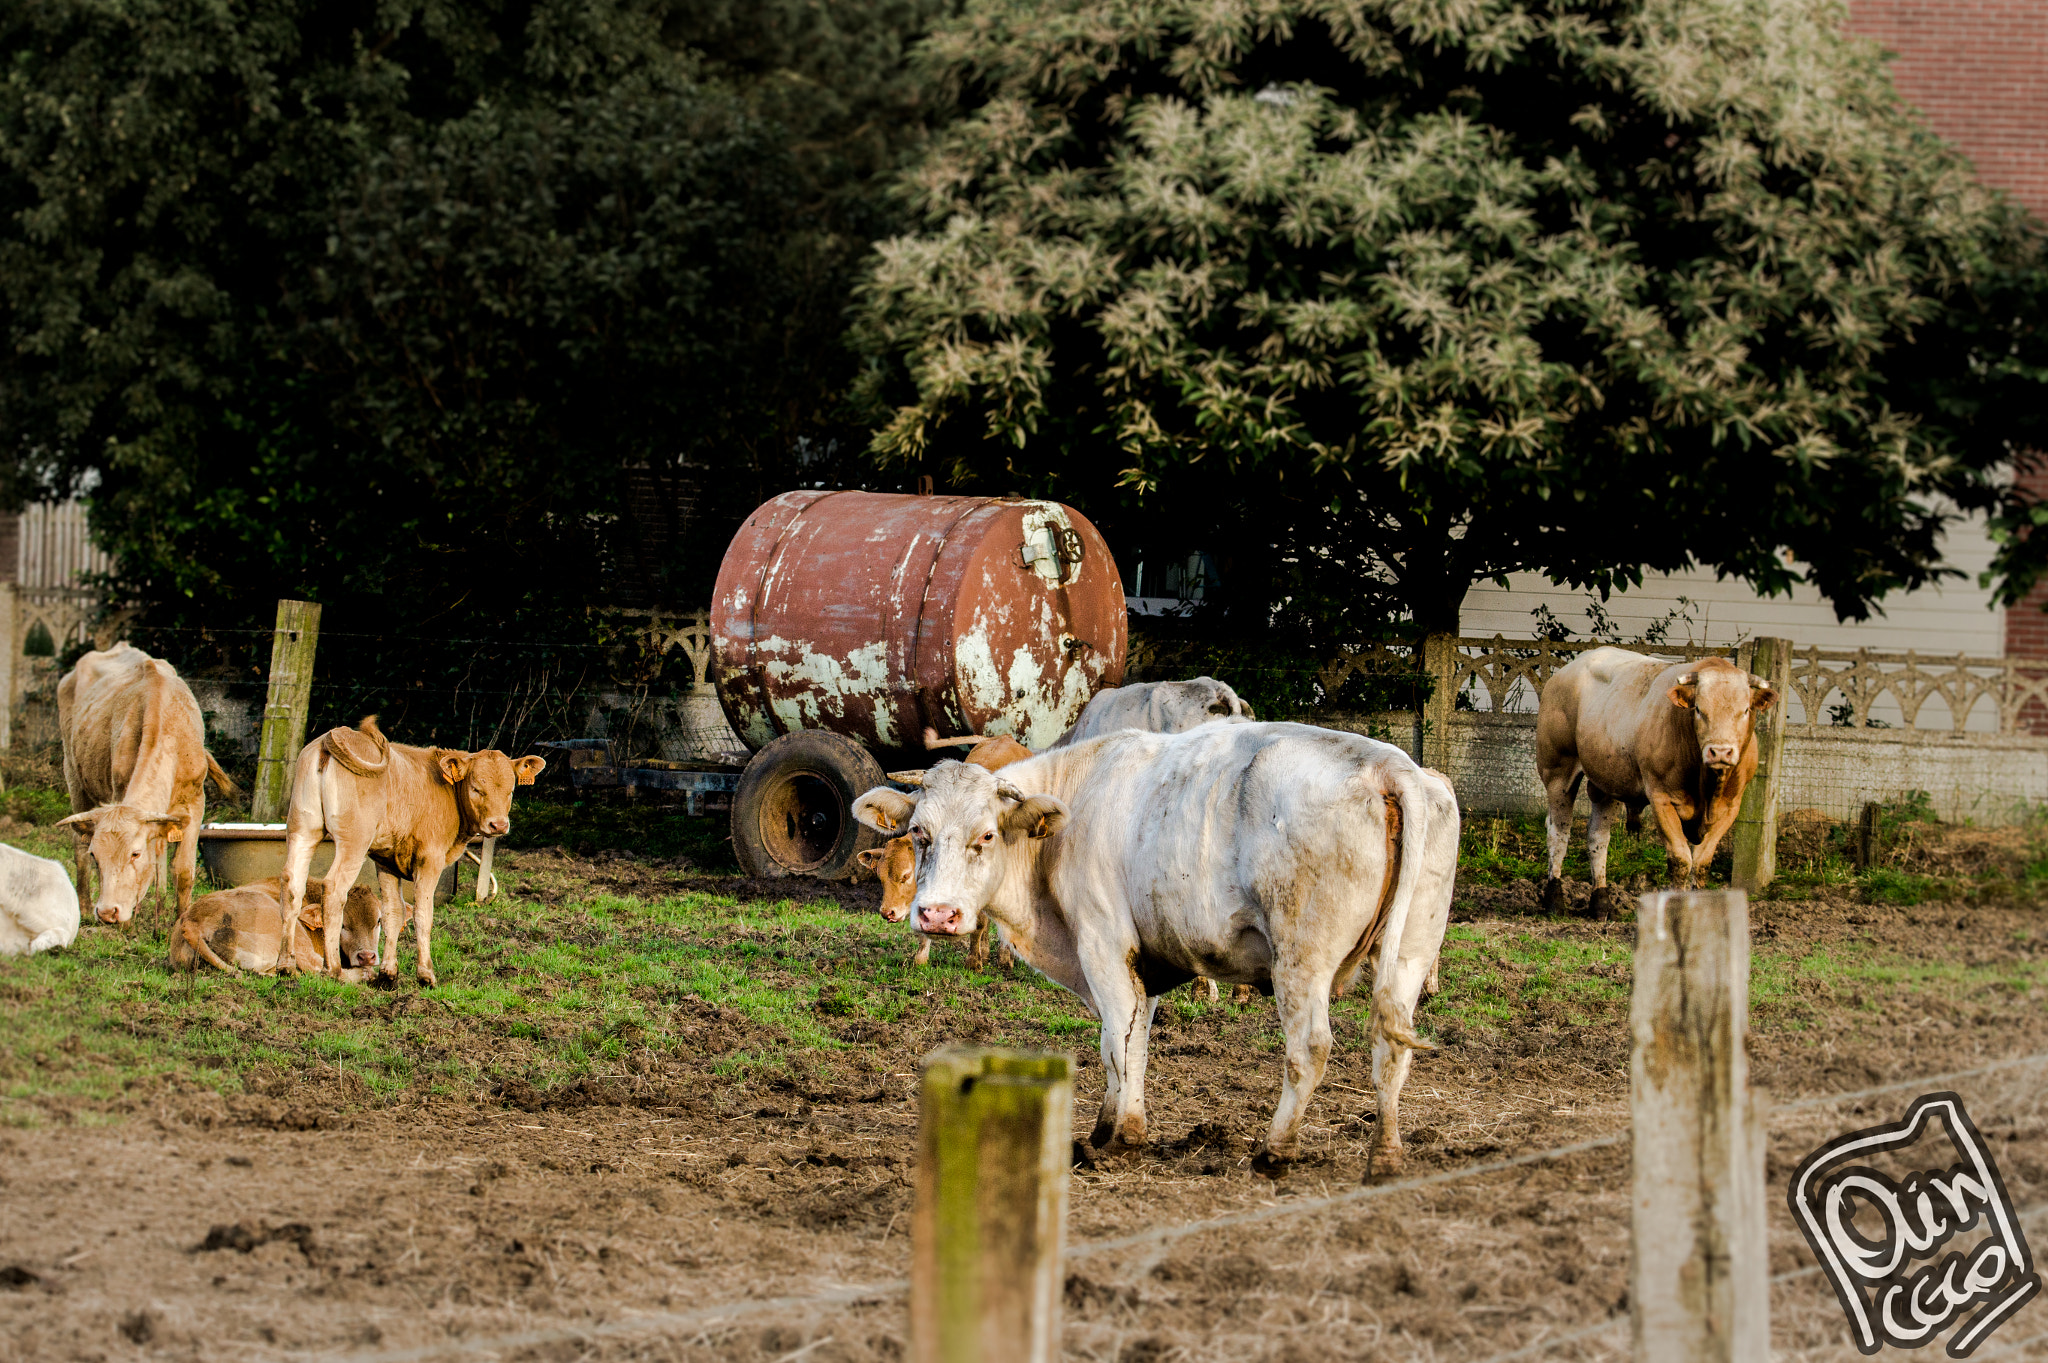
1830, 689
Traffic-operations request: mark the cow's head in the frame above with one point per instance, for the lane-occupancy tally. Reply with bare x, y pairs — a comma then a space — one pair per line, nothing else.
1223, 703
896, 866
965, 826
125, 843
358, 925
483, 784
1724, 700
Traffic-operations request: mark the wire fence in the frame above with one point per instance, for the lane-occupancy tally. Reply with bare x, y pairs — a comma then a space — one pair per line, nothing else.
1808, 1322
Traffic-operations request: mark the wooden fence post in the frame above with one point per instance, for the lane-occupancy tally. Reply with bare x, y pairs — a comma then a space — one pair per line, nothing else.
1440, 662
284, 711
1699, 1289
995, 1144
10, 659
1755, 835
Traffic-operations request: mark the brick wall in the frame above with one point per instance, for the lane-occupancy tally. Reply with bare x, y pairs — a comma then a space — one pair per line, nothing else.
1975, 68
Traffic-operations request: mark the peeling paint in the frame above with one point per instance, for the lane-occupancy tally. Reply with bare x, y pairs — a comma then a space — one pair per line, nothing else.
872, 615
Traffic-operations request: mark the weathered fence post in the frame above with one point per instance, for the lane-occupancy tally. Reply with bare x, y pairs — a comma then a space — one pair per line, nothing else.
1755, 845
995, 1143
10, 658
284, 711
1699, 1291
1440, 662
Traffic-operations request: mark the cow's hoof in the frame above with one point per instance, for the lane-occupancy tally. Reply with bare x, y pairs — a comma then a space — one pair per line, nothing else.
1244, 995
1604, 906
1266, 1164
1554, 899
427, 980
384, 979
1386, 1164
1103, 1134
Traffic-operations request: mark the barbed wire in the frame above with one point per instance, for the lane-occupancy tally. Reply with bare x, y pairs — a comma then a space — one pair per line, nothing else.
710, 1317
1542, 1346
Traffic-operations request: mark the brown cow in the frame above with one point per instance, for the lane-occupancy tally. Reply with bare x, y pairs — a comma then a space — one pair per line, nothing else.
1675, 736
136, 763
411, 810
243, 929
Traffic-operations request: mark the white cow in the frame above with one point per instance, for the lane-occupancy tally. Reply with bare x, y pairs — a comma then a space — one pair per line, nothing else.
1156, 707
1271, 854
38, 904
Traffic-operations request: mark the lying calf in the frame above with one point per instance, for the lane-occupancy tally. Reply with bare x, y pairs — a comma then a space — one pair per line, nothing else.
241, 929
38, 906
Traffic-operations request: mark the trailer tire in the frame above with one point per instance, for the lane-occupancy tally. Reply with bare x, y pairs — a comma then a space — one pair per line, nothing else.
792, 814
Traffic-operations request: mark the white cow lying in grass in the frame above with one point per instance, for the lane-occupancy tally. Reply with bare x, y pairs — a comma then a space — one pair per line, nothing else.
38, 904
1272, 854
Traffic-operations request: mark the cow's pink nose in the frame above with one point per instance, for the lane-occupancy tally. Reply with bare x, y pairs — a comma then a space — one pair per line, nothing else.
1720, 754
107, 913
498, 828
896, 915
939, 918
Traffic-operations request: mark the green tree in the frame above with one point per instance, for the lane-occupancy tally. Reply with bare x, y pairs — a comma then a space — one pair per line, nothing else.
378, 303
1382, 298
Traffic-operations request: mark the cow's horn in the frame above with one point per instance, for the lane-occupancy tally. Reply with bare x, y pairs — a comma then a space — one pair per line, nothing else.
1689, 679
907, 778
1757, 683
1009, 791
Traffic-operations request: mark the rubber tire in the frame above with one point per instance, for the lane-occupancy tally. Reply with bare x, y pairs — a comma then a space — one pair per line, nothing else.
810, 777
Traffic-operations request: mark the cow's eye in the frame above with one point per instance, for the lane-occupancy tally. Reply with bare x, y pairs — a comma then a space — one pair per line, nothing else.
988, 835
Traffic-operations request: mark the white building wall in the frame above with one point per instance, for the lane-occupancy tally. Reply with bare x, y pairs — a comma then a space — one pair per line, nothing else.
1957, 617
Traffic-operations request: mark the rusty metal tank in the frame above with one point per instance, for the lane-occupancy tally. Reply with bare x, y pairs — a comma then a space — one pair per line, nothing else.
873, 615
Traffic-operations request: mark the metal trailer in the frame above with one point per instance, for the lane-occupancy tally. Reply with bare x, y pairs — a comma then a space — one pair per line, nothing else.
846, 623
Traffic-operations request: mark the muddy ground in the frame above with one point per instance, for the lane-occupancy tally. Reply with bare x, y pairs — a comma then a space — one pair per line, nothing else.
667, 1214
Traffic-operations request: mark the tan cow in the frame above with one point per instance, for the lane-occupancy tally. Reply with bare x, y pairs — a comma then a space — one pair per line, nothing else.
136, 763
1677, 737
243, 929
410, 810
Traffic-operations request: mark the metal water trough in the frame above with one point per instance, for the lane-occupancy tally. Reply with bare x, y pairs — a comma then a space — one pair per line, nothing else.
243, 853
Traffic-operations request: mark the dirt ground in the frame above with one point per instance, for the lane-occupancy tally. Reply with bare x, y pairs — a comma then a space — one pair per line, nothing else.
669, 1215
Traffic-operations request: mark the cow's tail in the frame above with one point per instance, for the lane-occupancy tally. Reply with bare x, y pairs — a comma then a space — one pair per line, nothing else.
1413, 813
222, 782
347, 747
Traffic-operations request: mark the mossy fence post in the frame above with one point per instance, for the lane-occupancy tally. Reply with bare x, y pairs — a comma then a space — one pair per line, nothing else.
995, 1146
1699, 1290
1755, 844
1440, 664
284, 711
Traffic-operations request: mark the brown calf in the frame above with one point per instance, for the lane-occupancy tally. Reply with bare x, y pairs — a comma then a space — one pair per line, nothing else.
243, 929
136, 764
896, 866
410, 810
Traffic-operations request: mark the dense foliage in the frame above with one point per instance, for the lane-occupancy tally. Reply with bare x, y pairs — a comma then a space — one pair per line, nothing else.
378, 304
1376, 298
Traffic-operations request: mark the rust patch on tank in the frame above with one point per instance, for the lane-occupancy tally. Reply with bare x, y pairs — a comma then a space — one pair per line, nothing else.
872, 616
